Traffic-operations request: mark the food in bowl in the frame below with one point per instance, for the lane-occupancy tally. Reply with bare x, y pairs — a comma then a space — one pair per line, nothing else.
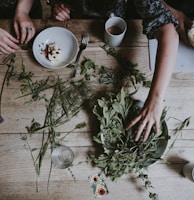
55, 47
52, 52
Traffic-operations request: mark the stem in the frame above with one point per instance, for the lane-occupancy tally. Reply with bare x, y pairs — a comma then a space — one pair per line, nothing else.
34, 163
9, 59
1, 92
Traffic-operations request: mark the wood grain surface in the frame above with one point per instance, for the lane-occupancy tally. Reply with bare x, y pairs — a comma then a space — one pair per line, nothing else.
17, 173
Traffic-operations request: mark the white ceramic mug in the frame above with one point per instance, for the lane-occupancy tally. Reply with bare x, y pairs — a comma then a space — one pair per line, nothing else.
115, 29
188, 171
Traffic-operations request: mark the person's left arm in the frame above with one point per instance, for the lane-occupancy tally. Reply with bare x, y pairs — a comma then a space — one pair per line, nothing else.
184, 22
23, 25
158, 23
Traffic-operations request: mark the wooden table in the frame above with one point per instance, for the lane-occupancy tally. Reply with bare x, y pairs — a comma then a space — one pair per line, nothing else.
17, 174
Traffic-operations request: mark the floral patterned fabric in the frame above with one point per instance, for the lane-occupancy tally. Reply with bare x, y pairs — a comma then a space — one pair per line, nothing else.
95, 8
98, 185
154, 15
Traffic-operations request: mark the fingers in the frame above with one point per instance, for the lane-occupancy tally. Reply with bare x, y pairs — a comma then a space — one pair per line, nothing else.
8, 44
144, 127
61, 17
61, 12
140, 130
27, 32
133, 122
6, 50
147, 129
24, 32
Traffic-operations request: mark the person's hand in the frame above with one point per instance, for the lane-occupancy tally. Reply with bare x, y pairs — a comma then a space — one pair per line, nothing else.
184, 24
24, 27
61, 12
8, 44
148, 117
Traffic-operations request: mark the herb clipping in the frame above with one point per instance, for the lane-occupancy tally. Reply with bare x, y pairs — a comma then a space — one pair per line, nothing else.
9, 63
61, 89
121, 154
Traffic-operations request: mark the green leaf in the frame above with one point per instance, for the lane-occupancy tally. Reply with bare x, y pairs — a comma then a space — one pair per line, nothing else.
97, 140
80, 125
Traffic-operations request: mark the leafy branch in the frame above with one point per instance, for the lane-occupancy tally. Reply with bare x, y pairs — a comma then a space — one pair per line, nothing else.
121, 154
9, 63
128, 69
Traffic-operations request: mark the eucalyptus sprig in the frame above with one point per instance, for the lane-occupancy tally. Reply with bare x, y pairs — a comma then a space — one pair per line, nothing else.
121, 154
66, 101
126, 75
128, 70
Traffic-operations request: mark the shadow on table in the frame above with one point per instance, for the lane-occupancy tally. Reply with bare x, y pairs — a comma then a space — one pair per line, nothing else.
176, 164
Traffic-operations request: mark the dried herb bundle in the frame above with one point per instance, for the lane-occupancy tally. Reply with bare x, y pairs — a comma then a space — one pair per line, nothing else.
121, 153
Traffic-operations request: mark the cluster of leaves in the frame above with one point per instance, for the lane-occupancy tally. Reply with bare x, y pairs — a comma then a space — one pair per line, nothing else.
121, 153
126, 75
67, 98
128, 70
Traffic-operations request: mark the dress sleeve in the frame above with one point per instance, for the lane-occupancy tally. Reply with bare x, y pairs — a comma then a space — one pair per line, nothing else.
154, 15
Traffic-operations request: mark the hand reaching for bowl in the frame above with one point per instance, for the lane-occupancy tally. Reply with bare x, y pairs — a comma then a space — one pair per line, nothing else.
148, 117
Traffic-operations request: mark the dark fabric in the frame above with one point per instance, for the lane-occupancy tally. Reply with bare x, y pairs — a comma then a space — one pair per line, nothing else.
155, 14
96, 8
8, 11
131, 12
186, 6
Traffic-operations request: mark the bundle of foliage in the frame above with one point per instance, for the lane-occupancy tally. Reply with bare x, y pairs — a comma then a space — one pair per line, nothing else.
121, 154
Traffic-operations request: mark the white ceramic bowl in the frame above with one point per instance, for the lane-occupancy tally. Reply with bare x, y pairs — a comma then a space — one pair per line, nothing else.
64, 39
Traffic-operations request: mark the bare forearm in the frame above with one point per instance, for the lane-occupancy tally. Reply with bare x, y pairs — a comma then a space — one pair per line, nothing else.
24, 6
168, 41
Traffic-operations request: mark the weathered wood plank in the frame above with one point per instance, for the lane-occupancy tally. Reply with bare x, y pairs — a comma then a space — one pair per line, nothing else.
17, 174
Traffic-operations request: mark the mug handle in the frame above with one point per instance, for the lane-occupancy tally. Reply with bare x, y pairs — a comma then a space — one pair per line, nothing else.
111, 15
